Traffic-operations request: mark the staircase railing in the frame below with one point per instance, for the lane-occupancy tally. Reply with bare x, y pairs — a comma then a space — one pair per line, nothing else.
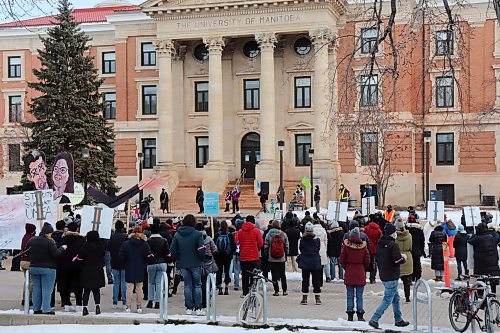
241, 178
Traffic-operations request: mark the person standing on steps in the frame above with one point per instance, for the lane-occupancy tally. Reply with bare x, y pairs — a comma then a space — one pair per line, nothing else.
227, 199
164, 201
389, 259
317, 198
263, 197
200, 198
235, 197
309, 262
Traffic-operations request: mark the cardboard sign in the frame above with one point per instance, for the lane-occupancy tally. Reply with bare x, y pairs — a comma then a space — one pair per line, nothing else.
435, 211
40, 207
368, 205
337, 211
472, 216
78, 195
97, 218
12, 221
211, 204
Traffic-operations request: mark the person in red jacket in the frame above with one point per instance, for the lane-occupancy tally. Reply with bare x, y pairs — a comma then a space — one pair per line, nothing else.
250, 240
355, 258
372, 230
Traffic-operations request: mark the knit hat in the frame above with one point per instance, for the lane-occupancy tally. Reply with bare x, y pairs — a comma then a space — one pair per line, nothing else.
389, 229
73, 227
46, 229
335, 224
30, 228
399, 224
355, 233
461, 229
353, 224
309, 227
275, 224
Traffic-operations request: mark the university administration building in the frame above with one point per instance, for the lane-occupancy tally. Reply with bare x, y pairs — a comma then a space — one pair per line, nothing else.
205, 89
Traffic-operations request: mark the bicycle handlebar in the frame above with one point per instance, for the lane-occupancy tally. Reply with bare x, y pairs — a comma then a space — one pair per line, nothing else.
258, 273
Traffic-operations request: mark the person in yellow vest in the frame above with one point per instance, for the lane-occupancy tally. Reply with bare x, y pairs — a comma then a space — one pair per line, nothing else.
344, 193
389, 214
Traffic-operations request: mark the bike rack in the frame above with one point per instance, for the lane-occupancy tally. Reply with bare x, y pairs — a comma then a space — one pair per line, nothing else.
417, 300
261, 284
211, 294
27, 292
477, 284
164, 297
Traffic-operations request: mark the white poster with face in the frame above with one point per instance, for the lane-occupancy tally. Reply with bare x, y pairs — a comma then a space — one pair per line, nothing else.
472, 216
97, 218
435, 211
337, 211
368, 205
40, 207
12, 221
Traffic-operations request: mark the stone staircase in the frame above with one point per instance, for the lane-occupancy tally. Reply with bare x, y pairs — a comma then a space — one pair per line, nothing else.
183, 198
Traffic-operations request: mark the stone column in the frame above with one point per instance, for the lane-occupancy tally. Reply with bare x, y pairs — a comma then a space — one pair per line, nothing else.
165, 143
325, 114
215, 173
267, 169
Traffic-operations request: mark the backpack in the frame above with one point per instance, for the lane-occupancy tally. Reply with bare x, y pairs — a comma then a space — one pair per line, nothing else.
223, 244
278, 246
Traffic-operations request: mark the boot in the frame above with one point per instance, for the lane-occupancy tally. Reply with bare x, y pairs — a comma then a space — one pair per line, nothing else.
304, 300
157, 305
350, 316
318, 299
220, 291
85, 312
97, 309
360, 316
150, 305
407, 292
226, 291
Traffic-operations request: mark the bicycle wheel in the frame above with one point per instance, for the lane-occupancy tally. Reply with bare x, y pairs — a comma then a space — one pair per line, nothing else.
251, 308
492, 315
458, 312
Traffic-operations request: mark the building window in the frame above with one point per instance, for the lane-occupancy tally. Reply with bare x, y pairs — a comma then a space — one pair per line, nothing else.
201, 96
302, 146
14, 67
251, 49
252, 89
444, 42
15, 157
201, 52
445, 149
369, 149
148, 54
149, 153
110, 105
444, 92
302, 46
201, 151
148, 100
303, 92
369, 40
108, 62
369, 90
15, 109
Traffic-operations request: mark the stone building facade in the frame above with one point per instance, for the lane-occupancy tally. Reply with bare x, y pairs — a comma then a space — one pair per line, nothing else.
205, 88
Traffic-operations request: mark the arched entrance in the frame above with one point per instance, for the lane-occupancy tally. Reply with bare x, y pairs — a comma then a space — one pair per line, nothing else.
250, 153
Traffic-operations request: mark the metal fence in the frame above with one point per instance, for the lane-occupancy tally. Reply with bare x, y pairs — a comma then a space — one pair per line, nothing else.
211, 293
427, 301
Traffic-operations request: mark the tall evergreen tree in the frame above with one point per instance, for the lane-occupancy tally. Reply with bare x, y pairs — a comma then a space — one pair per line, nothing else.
68, 109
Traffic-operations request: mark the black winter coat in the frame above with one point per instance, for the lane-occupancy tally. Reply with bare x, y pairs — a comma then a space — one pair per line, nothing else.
293, 234
388, 258
92, 274
485, 255
160, 249
134, 253
418, 239
43, 252
114, 245
309, 258
74, 243
436, 239
460, 245
335, 239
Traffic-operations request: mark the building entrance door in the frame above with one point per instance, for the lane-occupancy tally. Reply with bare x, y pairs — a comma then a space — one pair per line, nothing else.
250, 153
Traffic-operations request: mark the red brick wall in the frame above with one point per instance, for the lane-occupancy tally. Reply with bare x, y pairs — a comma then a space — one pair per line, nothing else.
125, 157
399, 147
347, 157
477, 152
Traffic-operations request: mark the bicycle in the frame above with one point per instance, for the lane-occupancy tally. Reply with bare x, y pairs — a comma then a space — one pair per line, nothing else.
251, 307
465, 304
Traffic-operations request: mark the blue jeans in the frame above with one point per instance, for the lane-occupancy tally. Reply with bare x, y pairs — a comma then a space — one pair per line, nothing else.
334, 262
107, 260
119, 285
236, 270
43, 284
391, 296
359, 298
192, 287
155, 273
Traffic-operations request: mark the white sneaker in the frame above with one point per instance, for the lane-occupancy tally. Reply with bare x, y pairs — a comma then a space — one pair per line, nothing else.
79, 309
200, 312
114, 306
139, 310
127, 309
189, 312
124, 307
67, 308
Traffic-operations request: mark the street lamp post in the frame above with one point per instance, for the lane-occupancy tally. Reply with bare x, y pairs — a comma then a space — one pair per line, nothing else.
311, 154
281, 147
85, 157
140, 157
427, 140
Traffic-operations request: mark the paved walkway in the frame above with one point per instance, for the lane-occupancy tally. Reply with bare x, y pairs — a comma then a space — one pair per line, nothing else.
287, 307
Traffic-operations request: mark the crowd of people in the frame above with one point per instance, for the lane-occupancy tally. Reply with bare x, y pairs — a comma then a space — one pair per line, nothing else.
382, 245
